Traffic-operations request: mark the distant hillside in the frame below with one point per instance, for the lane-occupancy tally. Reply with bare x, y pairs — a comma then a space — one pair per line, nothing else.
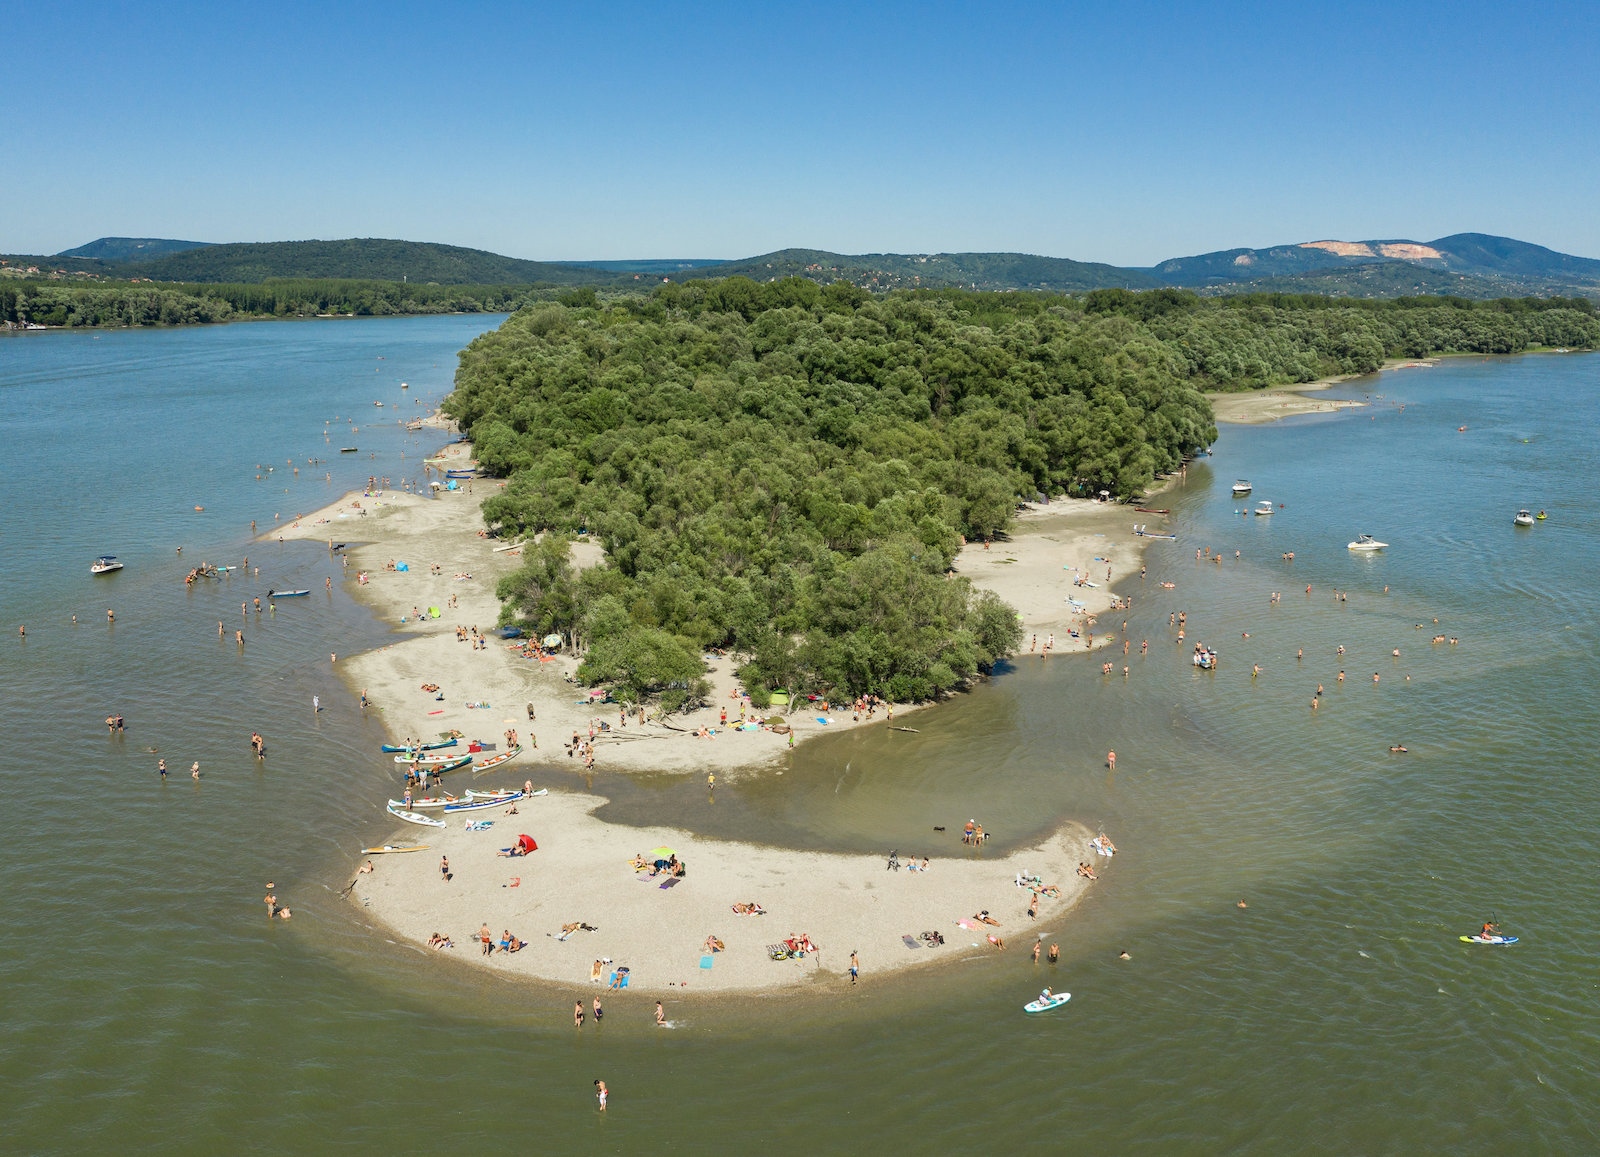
371, 259
989, 271
1490, 266
655, 265
130, 248
1399, 279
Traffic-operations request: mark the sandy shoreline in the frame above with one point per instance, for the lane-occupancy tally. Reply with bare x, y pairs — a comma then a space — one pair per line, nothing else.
580, 872
1038, 567
1258, 407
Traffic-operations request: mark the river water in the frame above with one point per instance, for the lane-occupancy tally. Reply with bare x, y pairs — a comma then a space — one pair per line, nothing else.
146, 998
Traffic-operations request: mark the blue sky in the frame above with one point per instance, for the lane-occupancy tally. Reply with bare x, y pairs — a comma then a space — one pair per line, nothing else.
1119, 132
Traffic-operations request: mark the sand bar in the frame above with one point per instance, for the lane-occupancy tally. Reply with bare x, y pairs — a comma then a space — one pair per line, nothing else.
581, 872
1258, 407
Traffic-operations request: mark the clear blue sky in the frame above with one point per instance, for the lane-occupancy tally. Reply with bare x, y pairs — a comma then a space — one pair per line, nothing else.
1120, 132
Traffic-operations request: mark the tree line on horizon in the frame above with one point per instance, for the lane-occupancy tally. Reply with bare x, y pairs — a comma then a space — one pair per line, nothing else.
112, 306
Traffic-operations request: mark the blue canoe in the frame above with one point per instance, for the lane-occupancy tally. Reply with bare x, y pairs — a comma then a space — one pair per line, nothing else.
391, 749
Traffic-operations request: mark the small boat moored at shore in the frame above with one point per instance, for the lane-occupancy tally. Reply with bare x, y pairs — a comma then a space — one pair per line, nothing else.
1241, 488
496, 760
1142, 532
105, 564
1366, 543
272, 594
410, 817
1524, 518
475, 804
431, 761
382, 848
390, 748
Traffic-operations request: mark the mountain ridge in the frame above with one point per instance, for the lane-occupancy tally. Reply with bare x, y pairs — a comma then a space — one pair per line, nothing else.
1464, 264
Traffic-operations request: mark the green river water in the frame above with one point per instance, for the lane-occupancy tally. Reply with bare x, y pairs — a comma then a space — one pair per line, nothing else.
150, 1007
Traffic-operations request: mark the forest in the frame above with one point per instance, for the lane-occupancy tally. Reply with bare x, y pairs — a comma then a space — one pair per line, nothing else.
55, 303
788, 470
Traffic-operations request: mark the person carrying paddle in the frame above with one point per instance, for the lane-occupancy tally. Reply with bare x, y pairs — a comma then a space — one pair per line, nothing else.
1490, 929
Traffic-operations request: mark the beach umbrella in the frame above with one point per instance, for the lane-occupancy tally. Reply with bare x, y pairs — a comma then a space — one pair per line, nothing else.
663, 853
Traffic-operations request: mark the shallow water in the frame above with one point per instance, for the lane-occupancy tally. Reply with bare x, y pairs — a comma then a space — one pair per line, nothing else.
147, 998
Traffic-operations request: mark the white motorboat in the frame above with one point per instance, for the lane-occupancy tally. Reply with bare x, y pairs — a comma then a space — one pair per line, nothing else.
1524, 518
1263, 507
1241, 487
1366, 543
1205, 658
105, 564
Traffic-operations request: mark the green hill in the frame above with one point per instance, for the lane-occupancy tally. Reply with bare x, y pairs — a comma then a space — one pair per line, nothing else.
1471, 264
130, 248
364, 258
984, 271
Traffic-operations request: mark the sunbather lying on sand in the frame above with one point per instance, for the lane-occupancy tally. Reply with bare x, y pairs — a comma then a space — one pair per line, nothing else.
750, 909
984, 918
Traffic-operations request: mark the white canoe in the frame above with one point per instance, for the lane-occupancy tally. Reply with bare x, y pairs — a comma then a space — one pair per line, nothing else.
400, 813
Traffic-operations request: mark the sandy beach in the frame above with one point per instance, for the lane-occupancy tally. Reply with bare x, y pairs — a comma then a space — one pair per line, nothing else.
1038, 568
581, 872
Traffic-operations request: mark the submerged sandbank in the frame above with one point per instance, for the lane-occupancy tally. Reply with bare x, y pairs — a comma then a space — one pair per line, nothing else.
1259, 407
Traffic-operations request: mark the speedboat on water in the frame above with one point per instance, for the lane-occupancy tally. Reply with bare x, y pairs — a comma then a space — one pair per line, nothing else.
1264, 506
1241, 487
1524, 518
105, 564
1365, 542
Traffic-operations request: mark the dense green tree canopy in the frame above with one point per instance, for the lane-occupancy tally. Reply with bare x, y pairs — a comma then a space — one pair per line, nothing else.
789, 468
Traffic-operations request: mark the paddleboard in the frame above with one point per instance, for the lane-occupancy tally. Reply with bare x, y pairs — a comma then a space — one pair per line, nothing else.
1055, 1001
1489, 939
394, 848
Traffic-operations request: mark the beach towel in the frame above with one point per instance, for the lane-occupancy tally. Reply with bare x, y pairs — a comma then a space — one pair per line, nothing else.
823, 721
967, 924
480, 825
438, 712
705, 962
910, 941
401, 566
672, 883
